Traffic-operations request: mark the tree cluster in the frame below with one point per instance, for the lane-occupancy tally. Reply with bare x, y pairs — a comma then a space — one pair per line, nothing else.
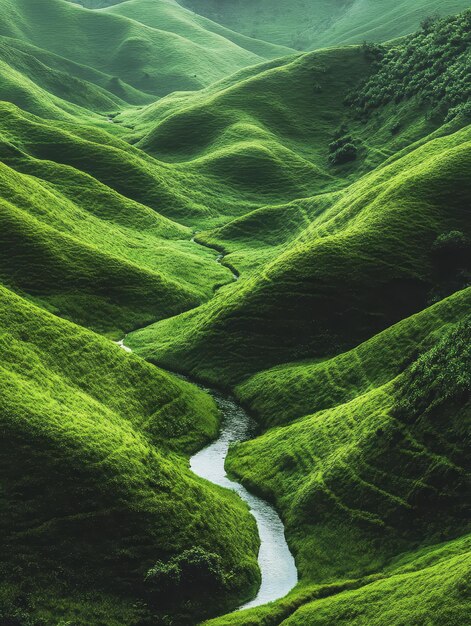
432, 65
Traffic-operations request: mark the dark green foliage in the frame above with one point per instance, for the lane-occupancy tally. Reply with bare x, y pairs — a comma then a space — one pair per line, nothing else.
441, 378
452, 251
187, 575
342, 148
451, 258
373, 51
343, 152
432, 65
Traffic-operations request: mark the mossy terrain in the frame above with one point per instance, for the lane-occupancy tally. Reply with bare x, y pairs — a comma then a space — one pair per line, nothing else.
139, 144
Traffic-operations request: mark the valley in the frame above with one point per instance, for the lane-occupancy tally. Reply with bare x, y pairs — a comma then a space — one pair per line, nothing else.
267, 205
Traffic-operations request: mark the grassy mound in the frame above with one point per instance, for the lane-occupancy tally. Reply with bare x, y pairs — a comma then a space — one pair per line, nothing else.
95, 486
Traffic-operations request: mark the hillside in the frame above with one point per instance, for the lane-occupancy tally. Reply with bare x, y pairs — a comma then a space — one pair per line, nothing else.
77, 236
144, 61
379, 470
307, 24
93, 446
289, 228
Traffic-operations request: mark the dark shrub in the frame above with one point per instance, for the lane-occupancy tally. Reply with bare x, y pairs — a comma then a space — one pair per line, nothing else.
345, 153
452, 251
187, 574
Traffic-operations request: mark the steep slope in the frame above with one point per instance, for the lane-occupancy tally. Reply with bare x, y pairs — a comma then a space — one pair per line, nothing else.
95, 483
306, 24
292, 390
283, 130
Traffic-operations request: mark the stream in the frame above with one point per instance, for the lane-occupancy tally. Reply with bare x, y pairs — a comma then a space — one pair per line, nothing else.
277, 567
278, 570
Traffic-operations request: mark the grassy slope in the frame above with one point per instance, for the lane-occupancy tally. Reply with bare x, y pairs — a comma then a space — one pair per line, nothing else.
375, 481
289, 391
342, 280
170, 17
305, 24
191, 58
261, 137
93, 445
112, 262
426, 585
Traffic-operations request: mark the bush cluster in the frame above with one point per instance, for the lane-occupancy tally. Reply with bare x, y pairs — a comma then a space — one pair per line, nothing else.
187, 574
440, 375
342, 149
433, 65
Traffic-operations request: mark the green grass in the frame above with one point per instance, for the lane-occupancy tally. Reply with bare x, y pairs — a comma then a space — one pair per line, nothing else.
305, 24
119, 51
292, 390
81, 244
364, 263
376, 478
346, 335
95, 483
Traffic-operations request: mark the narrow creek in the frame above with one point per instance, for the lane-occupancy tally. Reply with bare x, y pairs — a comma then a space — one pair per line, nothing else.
277, 566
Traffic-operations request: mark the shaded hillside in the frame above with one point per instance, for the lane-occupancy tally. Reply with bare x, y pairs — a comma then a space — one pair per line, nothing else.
379, 474
95, 484
342, 280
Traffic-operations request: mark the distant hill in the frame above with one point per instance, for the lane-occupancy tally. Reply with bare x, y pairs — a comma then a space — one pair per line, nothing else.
306, 24
134, 60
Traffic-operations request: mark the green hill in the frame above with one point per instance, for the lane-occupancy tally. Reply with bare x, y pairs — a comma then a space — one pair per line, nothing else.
131, 59
329, 270
343, 278
75, 238
380, 470
306, 24
139, 144
95, 484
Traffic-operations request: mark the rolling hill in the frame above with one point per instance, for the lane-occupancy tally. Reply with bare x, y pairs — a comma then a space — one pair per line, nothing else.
95, 483
144, 61
149, 156
329, 270
305, 24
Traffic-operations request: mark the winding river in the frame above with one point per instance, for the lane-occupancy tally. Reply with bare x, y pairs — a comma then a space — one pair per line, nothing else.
277, 567
278, 570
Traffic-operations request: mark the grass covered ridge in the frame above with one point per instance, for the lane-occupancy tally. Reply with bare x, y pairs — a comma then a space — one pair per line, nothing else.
377, 476
95, 484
